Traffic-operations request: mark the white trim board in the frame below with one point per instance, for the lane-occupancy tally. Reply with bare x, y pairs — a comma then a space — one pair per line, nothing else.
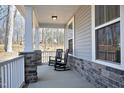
73, 37
122, 33
108, 23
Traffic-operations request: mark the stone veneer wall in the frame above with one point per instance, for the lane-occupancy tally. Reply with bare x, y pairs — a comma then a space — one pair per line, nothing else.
97, 74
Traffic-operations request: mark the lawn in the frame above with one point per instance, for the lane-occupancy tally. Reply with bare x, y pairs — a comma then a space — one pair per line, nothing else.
8, 55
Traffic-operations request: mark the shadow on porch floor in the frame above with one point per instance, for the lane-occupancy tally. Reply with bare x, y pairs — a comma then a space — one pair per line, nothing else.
49, 78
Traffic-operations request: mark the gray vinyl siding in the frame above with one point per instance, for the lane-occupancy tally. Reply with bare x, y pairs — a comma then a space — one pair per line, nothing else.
83, 43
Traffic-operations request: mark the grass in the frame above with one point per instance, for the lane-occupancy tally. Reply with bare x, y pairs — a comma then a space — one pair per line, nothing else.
8, 55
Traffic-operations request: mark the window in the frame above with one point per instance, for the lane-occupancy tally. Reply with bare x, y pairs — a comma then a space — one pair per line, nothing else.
105, 13
70, 27
107, 37
70, 42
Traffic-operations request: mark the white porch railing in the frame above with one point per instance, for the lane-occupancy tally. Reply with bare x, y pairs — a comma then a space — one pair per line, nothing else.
12, 73
46, 54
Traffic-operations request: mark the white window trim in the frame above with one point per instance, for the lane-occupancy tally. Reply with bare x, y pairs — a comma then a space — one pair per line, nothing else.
108, 23
72, 21
121, 19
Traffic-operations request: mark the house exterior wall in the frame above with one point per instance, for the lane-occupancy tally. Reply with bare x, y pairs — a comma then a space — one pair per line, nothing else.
100, 73
83, 41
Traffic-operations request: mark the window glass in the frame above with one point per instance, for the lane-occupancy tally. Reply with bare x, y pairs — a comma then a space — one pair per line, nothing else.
108, 43
70, 42
105, 13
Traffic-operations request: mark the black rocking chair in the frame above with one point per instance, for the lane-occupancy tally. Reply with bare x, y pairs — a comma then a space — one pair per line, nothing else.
62, 65
58, 57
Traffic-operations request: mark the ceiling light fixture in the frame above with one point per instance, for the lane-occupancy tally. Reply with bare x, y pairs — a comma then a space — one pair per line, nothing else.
54, 17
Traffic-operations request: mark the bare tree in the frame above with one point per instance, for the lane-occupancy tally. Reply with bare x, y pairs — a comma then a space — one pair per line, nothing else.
9, 28
3, 15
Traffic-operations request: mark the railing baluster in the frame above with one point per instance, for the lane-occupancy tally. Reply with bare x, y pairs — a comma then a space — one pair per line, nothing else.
46, 54
15, 71
15, 74
9, 77
2, 77
23, 78
11, 72
17, 67
43, 57
6, 77
19, 72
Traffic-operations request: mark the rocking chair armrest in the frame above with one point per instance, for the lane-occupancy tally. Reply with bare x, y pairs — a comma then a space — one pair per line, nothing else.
62, 58
51, 57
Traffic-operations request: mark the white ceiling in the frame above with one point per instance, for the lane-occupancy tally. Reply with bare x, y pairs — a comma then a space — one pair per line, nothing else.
63, 12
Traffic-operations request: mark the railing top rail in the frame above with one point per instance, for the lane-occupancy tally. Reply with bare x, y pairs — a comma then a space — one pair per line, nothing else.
11, 60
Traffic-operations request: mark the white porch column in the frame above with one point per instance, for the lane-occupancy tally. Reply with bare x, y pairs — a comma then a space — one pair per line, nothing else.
121, 34
28, 37
37, 39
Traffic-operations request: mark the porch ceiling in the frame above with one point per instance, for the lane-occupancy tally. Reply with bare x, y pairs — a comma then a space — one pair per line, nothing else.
63, 12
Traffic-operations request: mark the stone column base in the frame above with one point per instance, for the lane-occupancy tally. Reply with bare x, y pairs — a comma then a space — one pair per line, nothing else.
30, 67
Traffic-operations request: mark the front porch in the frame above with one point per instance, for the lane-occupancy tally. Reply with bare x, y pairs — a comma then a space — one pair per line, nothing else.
49, 78
96, 48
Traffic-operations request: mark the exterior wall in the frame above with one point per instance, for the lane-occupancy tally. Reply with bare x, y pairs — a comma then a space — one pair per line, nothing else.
101, 75
97, 74
83, 41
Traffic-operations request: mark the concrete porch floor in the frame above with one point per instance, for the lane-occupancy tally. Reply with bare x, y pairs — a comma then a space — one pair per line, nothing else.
49, 78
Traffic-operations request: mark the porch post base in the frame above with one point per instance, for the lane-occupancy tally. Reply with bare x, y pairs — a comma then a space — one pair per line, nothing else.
30, 67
